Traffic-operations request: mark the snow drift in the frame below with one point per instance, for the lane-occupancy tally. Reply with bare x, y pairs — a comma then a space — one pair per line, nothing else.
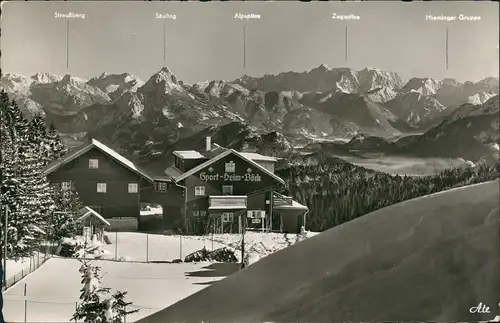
427, 259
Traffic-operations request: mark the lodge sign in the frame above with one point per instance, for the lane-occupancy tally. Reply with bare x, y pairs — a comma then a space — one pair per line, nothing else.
229, 177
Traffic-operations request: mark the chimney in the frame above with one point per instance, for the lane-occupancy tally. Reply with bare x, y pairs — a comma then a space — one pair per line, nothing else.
208, 146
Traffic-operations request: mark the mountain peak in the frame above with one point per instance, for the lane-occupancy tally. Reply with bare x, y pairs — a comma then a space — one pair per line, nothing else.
166, 70
371, 69
493, 81
321, 69
165, 79
374, 78
164, 74
68, 79
424, 85
45, 78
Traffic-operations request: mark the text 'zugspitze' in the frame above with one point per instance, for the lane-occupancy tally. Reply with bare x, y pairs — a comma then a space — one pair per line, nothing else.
345, 17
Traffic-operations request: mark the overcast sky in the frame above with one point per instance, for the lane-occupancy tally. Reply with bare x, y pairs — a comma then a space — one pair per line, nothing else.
205, 42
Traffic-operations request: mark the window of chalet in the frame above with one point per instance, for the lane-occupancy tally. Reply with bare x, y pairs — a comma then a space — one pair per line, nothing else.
197, 213
66, 186
133, 187
227, 217
227, 189
255, 214
199, 190
161, 187
230, 167
177, 162
93, 163
101, 187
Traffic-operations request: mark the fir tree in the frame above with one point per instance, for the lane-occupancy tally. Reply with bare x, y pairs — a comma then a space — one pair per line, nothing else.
38, 138
18, 124
36, 206
9, 186
24, 189
98, 304
338, 193
67, 205
57, 147
49, 144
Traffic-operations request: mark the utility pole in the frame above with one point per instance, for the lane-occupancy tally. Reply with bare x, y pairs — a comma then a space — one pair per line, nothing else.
271, 209
5, 246
243, 240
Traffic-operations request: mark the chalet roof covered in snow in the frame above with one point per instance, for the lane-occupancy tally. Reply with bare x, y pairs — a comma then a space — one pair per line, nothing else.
222, 155
172, 172
101, 147
295, 206
258, 157
193, 154
86, 212
216, 149
291, 205
188, 154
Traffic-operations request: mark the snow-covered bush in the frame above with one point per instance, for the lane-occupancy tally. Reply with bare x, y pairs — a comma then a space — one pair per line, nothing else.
224, 254
70, 248
78, 247
98, 304
200, 255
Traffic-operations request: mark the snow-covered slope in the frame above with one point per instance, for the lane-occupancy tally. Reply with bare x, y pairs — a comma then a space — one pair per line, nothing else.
67, 96
116, 85
416, 108
362, 270
425, 86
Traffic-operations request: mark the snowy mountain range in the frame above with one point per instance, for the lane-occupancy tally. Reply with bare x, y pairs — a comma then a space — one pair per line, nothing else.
470, 132
323, 103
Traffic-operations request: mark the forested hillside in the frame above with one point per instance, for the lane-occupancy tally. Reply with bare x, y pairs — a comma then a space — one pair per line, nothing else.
337, 193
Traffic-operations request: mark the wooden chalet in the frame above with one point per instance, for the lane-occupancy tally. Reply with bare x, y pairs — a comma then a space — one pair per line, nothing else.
222, 184
213, 190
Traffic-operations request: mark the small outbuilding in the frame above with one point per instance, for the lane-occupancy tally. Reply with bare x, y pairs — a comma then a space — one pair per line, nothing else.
92, 223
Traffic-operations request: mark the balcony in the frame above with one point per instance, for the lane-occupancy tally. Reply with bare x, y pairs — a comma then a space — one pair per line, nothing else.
281, 200
227, 202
